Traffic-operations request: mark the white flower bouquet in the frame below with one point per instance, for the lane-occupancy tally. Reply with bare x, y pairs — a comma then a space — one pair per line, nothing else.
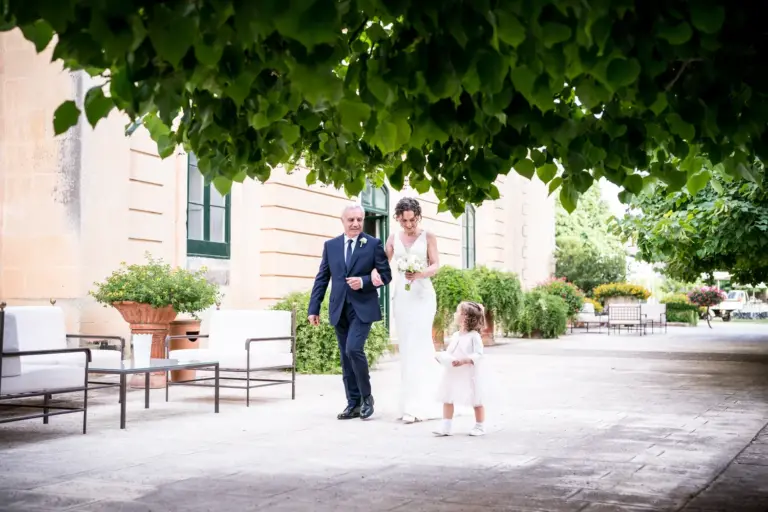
412, 264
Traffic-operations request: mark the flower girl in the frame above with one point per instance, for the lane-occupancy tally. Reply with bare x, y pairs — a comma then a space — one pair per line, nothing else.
462, 381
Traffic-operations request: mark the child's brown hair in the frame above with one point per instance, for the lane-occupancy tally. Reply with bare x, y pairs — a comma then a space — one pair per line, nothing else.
474, 316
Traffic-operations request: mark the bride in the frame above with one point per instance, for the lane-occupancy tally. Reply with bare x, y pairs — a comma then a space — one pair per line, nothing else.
414, 312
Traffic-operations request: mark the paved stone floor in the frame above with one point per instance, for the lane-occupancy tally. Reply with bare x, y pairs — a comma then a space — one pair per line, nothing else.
585, 423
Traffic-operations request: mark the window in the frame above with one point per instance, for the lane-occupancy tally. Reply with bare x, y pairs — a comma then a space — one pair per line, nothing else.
468, 254
207, 216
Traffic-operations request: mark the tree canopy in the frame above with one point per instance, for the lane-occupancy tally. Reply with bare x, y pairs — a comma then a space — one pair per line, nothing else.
446, 94
723, 227
588, 252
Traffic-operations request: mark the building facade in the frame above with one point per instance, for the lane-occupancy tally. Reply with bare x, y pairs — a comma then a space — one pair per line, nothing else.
73, 207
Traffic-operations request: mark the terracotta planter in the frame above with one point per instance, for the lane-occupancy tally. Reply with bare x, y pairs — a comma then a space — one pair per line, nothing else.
144, 319
488, 333
438, 337
184, 328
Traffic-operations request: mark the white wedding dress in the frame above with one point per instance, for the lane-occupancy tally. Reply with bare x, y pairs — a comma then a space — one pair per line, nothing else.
414, 312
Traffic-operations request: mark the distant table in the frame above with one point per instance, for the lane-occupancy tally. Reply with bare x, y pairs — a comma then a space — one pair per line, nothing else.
128, 367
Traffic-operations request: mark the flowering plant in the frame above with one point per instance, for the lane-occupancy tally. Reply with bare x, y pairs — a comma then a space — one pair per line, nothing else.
707, 296
158, 284
569, 292
605, 291
411, 263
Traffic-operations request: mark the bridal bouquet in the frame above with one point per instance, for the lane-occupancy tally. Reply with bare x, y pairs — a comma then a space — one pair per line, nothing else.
410, 263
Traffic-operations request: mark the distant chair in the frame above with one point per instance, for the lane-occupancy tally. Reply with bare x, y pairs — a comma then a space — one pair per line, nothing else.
587, 317
245, 342
629, 316
654, 315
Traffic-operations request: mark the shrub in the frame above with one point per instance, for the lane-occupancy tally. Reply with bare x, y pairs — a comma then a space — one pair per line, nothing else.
596, 304
543, 315
572, 296
684, 316
707, 296
500, 293
582, 263
675, 298
605, 291
159, 285
317, 350
680, 309
452, 286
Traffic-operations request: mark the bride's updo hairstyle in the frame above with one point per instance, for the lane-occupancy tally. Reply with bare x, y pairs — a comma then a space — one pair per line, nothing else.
408, 204
474, 316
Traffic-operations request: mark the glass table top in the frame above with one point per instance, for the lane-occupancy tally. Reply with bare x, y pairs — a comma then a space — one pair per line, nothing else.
132, 366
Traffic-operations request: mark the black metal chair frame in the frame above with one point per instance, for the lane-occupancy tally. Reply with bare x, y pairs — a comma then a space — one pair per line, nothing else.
599, 323
248, 380
633, 315
48, 409
662, 322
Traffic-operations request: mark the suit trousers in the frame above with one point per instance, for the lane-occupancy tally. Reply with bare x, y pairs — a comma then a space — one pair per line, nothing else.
352, 335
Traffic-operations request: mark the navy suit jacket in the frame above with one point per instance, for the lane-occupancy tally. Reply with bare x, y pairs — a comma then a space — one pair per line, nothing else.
332, 270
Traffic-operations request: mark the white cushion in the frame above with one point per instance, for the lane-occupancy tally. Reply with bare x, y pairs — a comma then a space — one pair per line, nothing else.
587, 317
588, 308
37, 328
653, 311
234, 359
11, 366
228, 331
38, 377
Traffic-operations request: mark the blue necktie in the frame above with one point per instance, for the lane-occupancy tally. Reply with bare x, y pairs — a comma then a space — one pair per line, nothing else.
348, 256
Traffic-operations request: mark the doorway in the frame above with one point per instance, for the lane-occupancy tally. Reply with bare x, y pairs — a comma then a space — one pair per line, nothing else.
376, 223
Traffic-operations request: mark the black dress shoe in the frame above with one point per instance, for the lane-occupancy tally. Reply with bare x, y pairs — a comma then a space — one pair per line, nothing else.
349, 413
366, 410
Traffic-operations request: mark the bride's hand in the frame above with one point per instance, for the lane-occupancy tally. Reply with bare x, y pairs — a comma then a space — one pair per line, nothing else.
413, 276
376, 278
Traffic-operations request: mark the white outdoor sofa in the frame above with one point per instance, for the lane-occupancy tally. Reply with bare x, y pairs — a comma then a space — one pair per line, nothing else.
244, 342
628, 316
654, 315
587, 317
36, 362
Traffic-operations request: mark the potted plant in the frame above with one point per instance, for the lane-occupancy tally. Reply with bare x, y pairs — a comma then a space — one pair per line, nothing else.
706, 297
620, 293
149, 296
452, 286
501, 295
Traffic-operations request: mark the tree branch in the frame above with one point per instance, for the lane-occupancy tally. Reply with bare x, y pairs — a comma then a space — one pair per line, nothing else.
679, 73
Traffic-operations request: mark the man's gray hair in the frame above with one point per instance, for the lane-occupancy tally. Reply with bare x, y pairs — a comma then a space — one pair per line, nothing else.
353, 206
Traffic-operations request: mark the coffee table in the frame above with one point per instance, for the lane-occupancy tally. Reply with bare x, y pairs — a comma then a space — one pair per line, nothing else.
129, 367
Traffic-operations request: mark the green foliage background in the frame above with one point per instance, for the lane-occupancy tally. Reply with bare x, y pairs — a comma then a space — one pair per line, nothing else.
543, 314
317, 350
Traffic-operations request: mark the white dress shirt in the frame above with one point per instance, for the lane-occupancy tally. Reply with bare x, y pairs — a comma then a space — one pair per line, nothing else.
352, 248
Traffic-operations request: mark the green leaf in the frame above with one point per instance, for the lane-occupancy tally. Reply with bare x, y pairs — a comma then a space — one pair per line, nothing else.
554, 184
622, 72
311, 178
208, 54
707, 18
97, 106
634, 183
354, 114
385, 137
65, 117
717, 186
554, 33
510, 30
39, 33
223, 185
660, 104
525, 168
547, 172
172, 33
380, 89
679, 127
569, 198
697, 182
675, 34
290, 133
376, 32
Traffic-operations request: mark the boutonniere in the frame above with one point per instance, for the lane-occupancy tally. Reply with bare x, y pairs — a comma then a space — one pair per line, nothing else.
363, 241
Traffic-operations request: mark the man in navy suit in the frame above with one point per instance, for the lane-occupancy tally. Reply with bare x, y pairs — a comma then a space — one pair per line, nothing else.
347, 263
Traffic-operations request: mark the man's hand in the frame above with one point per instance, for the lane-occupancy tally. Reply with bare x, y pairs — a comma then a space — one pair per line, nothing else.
314, 320
355, 282
376, 278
